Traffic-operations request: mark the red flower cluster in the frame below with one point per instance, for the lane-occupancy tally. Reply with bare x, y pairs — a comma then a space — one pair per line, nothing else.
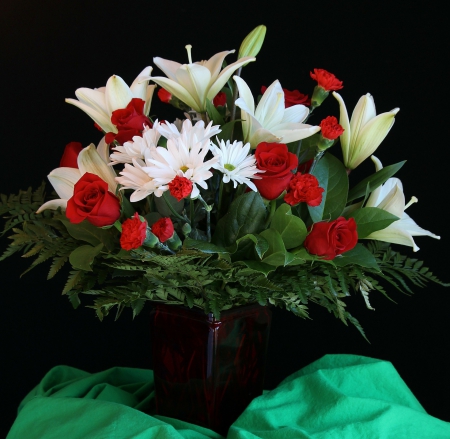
163, 229
164, 95
92, 201
330, 128
293, 97
329, 239
278, 164
304, 188
220, 99
326, 80
133, 233
69, 158
180, 187
129, 121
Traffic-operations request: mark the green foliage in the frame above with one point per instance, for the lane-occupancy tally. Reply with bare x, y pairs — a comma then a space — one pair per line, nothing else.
255, 257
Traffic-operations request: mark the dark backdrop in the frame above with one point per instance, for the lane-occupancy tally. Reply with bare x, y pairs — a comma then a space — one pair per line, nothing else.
49, 48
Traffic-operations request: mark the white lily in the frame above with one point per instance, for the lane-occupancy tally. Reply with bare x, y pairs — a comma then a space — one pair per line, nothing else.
90, 159
194, 83
390, 197
99, 103
271, 121
365, 131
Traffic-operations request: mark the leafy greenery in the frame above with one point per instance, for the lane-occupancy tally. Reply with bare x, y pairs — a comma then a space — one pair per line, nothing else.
269, 267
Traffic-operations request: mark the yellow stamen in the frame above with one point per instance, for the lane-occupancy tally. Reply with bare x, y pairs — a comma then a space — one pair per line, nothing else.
188, 48
184, 168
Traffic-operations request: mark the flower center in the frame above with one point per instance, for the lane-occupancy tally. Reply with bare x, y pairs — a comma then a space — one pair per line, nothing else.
184, 168
229, 167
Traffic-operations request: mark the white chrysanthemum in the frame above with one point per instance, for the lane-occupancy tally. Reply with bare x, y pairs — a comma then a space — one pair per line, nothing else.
182, 160
134, 177
236, 163
140, 148
189, 134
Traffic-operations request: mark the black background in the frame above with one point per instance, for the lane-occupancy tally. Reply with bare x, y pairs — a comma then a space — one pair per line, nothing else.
50, 48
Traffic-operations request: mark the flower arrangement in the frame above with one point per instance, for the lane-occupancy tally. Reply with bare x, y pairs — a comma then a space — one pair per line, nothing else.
239, 201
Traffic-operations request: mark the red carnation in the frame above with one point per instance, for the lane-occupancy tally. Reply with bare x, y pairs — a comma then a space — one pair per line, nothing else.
163, 229
69, 158
180, 187
304, 188
291, 98
164, 95
133, 233
326, 80
330, 128
220, 100
129, 121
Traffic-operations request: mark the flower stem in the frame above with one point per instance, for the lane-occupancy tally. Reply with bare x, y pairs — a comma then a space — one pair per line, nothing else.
233, 108
174, 212
219, 202
208, 209
316, 160
273, 206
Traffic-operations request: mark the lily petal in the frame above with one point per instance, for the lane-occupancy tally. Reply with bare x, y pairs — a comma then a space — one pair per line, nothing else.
89, 160
53, 205
139, 87
193, 78
345, 123
100, 118
118, 94
225, 75
168, 67
63, 181
370, 137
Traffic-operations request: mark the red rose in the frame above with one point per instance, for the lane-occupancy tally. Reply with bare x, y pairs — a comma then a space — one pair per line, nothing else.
69, 158
220, 100
92, 201
134, 232
163, 229
330, 128
129, 121
328, 239
291, 98
180, 187
304, 188
278, 163
326, 80
164, 95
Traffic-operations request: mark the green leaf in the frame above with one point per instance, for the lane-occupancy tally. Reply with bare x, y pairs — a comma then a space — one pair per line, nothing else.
303, 254
203, 246
371, 219
82, 257
257, 266
333, 178
227, 130
213, 114
276, 254
246, 215
87, 232
291, 228
374, 180
258, 243
359, 255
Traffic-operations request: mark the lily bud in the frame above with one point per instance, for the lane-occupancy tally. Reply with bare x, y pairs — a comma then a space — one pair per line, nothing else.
252, 42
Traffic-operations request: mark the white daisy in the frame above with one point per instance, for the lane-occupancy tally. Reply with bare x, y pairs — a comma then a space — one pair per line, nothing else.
139, 148
184, 160
188, 133
134, 177
236, 163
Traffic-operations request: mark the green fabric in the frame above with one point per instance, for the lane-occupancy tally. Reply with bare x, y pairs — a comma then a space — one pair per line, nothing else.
338, 396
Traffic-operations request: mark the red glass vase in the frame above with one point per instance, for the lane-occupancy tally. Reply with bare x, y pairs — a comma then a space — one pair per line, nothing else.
207, 370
